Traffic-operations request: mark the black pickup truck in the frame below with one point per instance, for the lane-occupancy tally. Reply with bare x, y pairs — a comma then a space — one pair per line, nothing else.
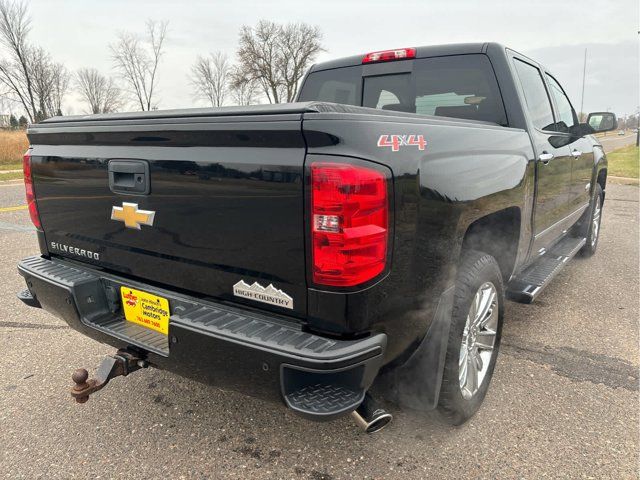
358, 243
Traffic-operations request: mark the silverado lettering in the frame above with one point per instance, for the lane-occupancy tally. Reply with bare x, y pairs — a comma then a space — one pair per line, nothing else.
81, 252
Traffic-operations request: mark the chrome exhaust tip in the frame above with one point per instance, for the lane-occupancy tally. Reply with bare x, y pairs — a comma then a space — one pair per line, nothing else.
370, 416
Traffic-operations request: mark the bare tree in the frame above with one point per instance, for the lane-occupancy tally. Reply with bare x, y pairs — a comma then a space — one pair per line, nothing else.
258, 57
28, 74
300, 44
7, 99
210, 78
276, 56
14, 69
99, 92
50, 83
244, 91
137, 61
59, 88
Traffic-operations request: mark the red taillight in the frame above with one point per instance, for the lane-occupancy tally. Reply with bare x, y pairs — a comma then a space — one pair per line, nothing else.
389, 55
28, 185
349, 223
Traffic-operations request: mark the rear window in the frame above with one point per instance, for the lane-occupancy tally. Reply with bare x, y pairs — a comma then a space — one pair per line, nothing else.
460, 86
340, 85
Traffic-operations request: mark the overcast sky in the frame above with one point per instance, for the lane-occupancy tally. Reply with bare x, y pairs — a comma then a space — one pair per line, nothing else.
554, 32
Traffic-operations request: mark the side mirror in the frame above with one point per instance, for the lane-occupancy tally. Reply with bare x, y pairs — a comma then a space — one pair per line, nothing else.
602, 122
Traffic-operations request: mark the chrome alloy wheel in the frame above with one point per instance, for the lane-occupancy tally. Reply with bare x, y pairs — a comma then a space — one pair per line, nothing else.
478, 339
595, 227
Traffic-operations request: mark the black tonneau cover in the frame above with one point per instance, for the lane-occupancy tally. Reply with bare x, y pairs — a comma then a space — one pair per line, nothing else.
274, 109
242, 112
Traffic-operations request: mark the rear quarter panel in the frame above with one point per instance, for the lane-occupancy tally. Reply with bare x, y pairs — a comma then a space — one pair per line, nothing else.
466, 171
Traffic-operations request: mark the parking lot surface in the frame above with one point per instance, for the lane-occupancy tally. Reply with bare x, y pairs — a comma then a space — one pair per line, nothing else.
563, 402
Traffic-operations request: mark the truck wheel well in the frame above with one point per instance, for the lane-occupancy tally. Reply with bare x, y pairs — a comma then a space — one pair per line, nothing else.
498, 235
602, 180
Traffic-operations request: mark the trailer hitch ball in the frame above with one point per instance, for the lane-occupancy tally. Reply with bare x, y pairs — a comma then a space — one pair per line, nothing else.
79, 378
121, 364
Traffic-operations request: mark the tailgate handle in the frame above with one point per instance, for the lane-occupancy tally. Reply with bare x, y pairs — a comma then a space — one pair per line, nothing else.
129, 176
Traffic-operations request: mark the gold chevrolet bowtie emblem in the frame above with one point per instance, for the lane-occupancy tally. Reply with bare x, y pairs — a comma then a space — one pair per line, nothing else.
131, 216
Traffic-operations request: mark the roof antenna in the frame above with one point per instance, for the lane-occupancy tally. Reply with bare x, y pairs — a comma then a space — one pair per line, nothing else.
584, 74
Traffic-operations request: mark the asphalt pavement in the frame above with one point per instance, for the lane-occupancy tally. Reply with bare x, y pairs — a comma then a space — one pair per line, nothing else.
563, 402
612, 140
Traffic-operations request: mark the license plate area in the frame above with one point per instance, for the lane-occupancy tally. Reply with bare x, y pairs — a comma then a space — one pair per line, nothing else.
145, 309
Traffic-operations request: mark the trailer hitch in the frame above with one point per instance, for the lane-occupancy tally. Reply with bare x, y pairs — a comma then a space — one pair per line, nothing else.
121, 364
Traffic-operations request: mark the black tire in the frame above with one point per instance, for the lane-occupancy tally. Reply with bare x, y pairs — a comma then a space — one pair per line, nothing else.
475, 270
591, 233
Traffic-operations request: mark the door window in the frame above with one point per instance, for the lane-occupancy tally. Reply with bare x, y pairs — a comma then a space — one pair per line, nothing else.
566, 116
535, 95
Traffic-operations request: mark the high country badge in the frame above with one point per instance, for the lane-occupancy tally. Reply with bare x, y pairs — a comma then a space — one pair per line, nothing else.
259, 293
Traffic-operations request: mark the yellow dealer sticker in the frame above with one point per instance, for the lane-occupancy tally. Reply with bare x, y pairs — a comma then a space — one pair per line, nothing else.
145, 309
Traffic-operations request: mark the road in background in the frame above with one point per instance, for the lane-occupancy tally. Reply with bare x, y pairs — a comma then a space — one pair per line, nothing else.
614, 141
563, 402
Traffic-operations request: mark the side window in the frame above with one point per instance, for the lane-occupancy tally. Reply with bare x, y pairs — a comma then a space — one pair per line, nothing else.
567, 119
535, 95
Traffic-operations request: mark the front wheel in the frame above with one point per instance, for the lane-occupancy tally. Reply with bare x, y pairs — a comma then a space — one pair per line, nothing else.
593, 229
474, 337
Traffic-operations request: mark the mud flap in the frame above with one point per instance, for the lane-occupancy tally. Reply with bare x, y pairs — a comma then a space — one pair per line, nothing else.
416, 384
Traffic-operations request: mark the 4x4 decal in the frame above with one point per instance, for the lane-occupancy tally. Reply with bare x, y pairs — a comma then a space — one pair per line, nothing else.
397, 141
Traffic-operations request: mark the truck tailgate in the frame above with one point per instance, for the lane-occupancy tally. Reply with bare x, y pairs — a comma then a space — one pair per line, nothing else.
226, 195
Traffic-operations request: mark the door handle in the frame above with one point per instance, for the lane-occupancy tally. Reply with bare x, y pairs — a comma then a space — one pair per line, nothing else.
576, 153
545, 157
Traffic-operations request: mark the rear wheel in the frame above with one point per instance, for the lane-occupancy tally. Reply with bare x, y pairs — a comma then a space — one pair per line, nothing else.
474, 337
593, 227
